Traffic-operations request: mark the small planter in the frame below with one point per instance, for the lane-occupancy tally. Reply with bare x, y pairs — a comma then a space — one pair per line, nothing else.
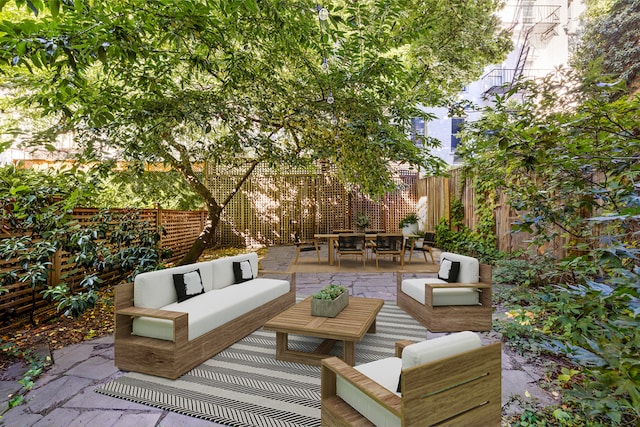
410, 230
329, 307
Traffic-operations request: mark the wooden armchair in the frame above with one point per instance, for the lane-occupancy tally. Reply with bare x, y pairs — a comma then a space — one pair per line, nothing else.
448, 381
464, 304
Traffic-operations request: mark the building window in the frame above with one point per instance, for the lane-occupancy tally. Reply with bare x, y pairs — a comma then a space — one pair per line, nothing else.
456, 126
417, 131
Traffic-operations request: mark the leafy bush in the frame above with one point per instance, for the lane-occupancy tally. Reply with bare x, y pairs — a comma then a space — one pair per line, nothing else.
37, 207
529, 271
566, 155
467, 242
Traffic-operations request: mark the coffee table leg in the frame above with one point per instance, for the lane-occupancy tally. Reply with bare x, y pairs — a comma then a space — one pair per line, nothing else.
282, 344
372, 328
349, 355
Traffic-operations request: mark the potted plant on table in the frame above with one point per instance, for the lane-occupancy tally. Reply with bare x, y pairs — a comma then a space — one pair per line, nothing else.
329, 301
362, 221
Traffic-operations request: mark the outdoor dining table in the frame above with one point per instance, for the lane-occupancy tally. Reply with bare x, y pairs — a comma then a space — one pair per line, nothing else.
331, 241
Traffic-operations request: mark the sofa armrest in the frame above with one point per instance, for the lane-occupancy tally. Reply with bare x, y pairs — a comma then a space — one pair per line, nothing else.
334, 366
180, 320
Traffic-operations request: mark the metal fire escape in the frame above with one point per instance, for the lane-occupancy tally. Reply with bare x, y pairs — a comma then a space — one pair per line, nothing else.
535, 26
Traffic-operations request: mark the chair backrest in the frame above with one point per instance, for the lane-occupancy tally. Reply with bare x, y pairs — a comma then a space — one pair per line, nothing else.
351, 242
296, 237
470, 382
469, 267
390, 242
429, 238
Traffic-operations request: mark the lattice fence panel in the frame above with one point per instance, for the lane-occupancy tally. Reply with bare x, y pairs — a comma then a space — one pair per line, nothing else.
182, 229
272, 204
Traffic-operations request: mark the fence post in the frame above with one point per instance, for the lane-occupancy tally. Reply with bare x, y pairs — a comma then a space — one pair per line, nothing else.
159, 222
56, 268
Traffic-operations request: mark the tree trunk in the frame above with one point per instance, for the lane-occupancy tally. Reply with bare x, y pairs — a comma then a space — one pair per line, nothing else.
205, 239
214, 209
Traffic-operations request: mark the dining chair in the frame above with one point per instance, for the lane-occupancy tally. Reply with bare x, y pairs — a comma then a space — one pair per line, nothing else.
305, 246
352, 244
389, 245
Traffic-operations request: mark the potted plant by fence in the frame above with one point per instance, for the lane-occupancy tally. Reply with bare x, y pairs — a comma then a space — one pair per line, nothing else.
362, 221
409, 224
329, 301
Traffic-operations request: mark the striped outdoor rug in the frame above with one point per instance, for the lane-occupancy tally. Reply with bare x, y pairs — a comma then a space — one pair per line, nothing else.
246, 386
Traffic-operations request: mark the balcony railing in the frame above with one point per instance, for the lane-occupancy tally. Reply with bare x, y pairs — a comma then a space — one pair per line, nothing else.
498, 80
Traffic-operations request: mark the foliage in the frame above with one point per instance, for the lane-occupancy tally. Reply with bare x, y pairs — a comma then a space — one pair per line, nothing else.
36, 364
36, 212
362, 221
567, 157
235, 84
531, 271
145, 190
410, 218
466, 242
609, 39
113, 241
533, 415
331, 291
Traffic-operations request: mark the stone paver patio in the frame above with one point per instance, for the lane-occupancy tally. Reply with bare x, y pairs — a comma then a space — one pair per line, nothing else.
64, 395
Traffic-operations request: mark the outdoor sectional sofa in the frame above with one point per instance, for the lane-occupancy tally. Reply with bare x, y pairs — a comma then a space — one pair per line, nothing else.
221, 302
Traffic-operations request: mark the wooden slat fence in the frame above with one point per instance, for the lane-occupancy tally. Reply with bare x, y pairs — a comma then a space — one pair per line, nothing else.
439, 192
182, 228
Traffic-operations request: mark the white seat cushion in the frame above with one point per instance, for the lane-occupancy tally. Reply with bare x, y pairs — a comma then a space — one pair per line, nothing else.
214, 308
385, 372
443, 296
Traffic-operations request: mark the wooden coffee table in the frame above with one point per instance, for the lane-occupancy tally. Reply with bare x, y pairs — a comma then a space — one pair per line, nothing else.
357, 319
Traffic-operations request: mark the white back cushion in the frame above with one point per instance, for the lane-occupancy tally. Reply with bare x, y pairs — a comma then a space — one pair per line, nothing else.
469, 267
438, 348
222, 269
155, 289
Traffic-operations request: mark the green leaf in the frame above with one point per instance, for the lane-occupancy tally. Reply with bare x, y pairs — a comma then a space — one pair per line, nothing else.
54, 7
31, 4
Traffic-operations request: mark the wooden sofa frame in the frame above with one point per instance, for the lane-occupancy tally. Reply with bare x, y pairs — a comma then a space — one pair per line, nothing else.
461, 390
171, 359
451, 318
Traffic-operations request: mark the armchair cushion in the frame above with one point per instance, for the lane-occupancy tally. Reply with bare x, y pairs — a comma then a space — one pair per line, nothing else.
438, 348
415, 288
469, 267
385, 372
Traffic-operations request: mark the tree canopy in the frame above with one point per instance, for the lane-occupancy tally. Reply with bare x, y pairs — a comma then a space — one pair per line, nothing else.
230, 82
